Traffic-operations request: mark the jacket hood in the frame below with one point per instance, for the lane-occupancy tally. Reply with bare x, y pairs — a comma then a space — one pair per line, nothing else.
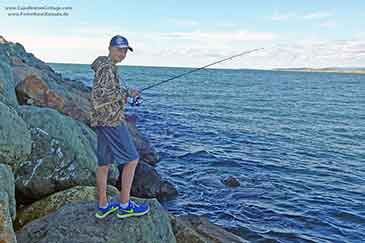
100, 62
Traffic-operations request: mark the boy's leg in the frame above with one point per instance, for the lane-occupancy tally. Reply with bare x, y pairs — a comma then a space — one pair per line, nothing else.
101, 183
127, 180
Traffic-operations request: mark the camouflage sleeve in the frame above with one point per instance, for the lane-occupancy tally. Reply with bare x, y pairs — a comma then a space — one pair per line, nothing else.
106, 89
129, 92
126, 90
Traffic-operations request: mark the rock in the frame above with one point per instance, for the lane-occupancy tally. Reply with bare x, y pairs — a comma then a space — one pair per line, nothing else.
15, 141
145, 149
231, 181
62, 156
7, 185
55, 201
148, 183
2, 40
31, 88
6, 227
198, 229
34, 91
53, 100
76, 222
76, 112
7, 87
24, 65
77, 100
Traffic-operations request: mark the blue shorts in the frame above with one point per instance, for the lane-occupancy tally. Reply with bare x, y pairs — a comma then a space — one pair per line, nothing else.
115, 144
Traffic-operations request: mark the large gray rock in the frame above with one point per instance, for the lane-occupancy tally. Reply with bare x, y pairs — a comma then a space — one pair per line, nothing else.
198, 229
6, 227
7, 185
22, 60
7, 87
15, 141
55, 201
63, 155
24, 64
76, 223
146, 151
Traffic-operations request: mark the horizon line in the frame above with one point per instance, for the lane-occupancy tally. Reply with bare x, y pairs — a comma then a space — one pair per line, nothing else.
260, 69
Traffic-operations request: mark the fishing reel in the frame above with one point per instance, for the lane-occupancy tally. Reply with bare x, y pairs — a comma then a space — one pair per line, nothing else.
136, 101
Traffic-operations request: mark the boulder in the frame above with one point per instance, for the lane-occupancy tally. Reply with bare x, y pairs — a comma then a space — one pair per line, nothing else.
145, 149
55, 201
7, 185
62, 156
6, 227
21, 65
34, 91
148, 183
197, 229
24, 63
2, 40
15, 140
76, 222
231, 181
7, 87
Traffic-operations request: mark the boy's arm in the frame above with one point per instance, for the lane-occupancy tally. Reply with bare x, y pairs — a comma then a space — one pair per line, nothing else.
106, 90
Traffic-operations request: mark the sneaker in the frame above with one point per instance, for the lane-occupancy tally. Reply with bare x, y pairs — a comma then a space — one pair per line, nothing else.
133, 209
103, 212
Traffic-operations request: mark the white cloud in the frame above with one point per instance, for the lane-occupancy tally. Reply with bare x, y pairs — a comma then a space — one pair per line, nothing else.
318, 54
317, 15
329, 24
238, 35
192, 49
281, 17
183, 22
296, 16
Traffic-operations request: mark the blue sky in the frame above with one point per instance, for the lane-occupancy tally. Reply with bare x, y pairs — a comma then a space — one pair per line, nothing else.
193, 33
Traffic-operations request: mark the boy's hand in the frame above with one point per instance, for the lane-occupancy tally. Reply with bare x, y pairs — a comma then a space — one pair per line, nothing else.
134, 92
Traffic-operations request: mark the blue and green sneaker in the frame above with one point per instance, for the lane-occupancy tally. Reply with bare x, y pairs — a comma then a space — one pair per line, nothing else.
133, 209
103, 212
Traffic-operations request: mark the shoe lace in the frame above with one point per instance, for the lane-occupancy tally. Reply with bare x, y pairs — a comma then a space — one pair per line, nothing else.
134, 204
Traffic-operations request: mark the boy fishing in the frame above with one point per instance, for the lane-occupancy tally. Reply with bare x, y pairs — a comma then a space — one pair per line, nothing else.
114, 142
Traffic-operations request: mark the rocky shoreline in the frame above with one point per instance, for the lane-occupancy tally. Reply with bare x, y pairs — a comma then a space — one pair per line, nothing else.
48, 161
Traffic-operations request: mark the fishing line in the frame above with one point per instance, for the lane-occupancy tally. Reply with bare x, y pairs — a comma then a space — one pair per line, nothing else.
137, 100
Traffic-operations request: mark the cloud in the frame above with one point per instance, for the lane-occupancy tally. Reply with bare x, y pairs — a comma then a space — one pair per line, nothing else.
317, 15
281, 17
319, 53
238, 35
183, 22
295, 16
329, 24
192, 48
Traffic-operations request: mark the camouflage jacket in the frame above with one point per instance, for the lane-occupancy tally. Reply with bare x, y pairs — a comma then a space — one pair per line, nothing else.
107, 95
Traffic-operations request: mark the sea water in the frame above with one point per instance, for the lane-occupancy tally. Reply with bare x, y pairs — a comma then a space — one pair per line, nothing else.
294, 140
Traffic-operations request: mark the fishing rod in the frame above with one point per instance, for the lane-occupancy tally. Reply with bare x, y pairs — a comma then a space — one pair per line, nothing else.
137, 99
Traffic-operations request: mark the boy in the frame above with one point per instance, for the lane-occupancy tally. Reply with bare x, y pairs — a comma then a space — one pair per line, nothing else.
114, 142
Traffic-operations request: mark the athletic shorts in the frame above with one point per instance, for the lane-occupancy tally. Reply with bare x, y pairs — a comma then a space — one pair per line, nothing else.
115, 144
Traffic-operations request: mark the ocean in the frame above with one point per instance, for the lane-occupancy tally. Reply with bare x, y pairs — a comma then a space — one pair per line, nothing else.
294, 140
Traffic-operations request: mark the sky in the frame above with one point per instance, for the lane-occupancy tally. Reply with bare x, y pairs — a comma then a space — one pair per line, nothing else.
194, 33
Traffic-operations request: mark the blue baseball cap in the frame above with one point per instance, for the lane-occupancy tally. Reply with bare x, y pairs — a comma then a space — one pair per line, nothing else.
120, 41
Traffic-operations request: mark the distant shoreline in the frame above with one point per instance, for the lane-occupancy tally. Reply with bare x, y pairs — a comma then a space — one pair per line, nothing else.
324, 70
